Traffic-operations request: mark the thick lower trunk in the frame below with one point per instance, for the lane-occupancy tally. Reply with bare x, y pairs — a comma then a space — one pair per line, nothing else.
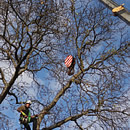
39, 120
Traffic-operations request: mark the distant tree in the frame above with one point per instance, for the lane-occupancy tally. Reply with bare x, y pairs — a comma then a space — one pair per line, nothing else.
36, 38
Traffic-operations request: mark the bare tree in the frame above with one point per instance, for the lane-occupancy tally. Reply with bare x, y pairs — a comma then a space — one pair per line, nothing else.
37, 37
24, 26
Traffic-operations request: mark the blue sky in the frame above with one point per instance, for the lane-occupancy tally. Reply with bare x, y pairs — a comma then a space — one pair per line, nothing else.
42, 75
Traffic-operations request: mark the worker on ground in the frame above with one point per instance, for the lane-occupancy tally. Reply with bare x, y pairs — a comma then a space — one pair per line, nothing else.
25, 116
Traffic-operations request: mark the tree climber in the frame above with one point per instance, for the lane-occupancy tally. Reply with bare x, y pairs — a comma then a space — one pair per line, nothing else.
25, 116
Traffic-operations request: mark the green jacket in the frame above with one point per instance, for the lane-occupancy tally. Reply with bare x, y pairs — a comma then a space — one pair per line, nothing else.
25, 112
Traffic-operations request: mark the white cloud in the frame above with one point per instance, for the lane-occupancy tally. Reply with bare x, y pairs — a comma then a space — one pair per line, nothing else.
25, 79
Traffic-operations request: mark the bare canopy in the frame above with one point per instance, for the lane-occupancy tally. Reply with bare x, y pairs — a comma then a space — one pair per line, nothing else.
35, 39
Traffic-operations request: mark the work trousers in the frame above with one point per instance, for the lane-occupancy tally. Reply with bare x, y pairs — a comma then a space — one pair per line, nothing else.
34, 120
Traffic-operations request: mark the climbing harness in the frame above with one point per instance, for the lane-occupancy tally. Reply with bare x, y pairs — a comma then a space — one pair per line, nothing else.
24, 119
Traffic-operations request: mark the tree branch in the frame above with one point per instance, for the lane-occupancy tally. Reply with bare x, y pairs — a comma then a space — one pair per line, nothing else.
70, 118
3, 77
78, 125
